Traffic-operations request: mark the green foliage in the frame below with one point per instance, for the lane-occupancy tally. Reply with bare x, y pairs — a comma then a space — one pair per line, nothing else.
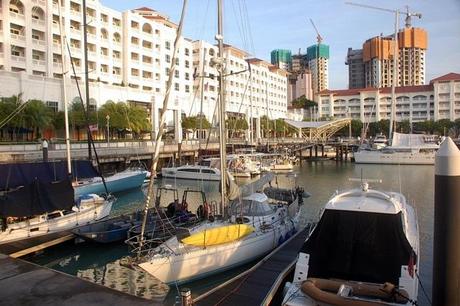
7, 106
123, 116
303, 102
236, 124
195, 122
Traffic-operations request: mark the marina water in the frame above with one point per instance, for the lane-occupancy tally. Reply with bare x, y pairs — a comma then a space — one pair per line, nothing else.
101, 263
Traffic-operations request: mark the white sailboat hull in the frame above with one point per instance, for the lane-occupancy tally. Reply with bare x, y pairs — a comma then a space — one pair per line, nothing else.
201, 262
198, 175
44, 224
401, 158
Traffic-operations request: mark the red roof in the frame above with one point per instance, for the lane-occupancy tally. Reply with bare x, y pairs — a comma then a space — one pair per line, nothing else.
384, 90
447, 77
144, 8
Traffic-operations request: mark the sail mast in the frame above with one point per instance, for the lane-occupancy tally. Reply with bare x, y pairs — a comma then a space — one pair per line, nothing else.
64, 88
222, 132
85, 50
395, 77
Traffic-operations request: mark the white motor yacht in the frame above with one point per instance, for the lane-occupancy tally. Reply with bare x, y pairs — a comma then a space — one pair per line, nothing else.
192, 172
363, 251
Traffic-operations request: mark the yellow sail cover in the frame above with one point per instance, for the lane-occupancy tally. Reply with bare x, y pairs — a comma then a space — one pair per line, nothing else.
219, 235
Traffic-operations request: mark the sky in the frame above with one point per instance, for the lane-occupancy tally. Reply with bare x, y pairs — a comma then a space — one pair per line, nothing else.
259, 26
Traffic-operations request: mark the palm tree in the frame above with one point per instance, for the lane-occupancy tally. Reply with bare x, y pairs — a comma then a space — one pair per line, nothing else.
37, 116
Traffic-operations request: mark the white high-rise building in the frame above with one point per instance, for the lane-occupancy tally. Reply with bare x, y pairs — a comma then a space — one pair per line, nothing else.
129, 55
264, 93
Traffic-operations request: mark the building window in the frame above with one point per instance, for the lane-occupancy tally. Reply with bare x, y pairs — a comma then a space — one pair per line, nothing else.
167, 45
187, 88
176, 73
168, 58
187, 64
53, 105
187, 76
176, 86
187, 51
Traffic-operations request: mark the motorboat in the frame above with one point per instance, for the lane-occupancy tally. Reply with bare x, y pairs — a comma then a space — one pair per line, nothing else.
406, 149
121, 181
363, 251
192, 172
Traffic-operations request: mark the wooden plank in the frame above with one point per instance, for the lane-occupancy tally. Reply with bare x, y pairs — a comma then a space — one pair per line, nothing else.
42, 246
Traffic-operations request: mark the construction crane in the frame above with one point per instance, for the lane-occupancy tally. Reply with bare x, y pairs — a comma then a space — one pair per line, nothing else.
319, 38
409, 15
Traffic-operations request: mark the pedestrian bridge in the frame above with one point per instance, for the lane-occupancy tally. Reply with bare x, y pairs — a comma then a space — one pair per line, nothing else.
319, 130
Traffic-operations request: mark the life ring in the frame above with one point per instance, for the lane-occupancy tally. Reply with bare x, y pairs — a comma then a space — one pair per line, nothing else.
323, 290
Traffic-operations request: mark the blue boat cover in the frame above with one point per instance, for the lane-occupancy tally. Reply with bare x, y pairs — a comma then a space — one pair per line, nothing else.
23, 174
37, 198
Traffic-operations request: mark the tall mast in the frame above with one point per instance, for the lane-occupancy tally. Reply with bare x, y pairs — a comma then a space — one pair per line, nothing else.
85, 47
395, 77
64, 88
222, 132
201, 99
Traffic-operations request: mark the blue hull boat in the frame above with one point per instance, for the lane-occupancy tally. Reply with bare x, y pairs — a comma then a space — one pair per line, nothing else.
112, 230
126, 180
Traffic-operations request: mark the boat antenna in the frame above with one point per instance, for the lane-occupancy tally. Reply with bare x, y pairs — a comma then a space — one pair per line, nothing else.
156, 154
219, 63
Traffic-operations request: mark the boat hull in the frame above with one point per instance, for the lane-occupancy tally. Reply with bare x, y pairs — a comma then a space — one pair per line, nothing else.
114, 184
202, 262
376, 157
40, 226
172, 173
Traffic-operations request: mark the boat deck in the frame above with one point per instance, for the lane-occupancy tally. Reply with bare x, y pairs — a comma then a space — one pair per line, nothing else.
34, 244
254, 287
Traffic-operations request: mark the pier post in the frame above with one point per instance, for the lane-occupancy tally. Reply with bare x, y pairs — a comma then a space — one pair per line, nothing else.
311, 151
186, 297
446, 244
337, 153
316, 151
322, 150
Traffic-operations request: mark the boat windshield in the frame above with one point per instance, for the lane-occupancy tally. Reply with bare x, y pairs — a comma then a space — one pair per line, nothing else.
251, 208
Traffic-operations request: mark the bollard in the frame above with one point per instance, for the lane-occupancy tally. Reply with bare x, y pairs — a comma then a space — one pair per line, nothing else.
186, 297
446, 244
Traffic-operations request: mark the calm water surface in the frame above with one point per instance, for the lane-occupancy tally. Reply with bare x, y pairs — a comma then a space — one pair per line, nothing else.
101, 264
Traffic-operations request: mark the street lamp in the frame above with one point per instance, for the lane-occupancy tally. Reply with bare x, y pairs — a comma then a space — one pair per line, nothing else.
108, 129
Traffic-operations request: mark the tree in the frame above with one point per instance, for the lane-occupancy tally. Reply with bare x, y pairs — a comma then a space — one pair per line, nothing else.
442, 126
37, 116
303, 102
8, 106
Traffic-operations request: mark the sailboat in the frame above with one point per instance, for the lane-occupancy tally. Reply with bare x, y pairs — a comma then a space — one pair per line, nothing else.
40, 201
364, 251
249, 227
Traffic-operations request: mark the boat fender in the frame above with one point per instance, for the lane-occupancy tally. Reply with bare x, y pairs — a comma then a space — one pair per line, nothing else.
322, 290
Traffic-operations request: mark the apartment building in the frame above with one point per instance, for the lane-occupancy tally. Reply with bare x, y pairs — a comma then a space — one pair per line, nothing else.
318, 63
252, 93
438, 100
377, 58
129, 55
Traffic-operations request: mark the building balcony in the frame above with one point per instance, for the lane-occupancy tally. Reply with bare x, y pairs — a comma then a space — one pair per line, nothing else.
75, 50
39, 2
18, 40
116, 62
39, 63
105, 76
75, 33
92, 37
116, 45
75, 14
18, 61
57, 48
92, 55
38, 23
57, 66
104, 58
17, 18
39, 44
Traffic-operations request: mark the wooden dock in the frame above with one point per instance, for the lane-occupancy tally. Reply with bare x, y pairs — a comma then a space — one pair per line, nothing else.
256, 285
24, 283
27, 246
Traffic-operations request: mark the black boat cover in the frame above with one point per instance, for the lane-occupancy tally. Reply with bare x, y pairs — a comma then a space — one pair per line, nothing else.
37, 198
360, 246
23, 174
